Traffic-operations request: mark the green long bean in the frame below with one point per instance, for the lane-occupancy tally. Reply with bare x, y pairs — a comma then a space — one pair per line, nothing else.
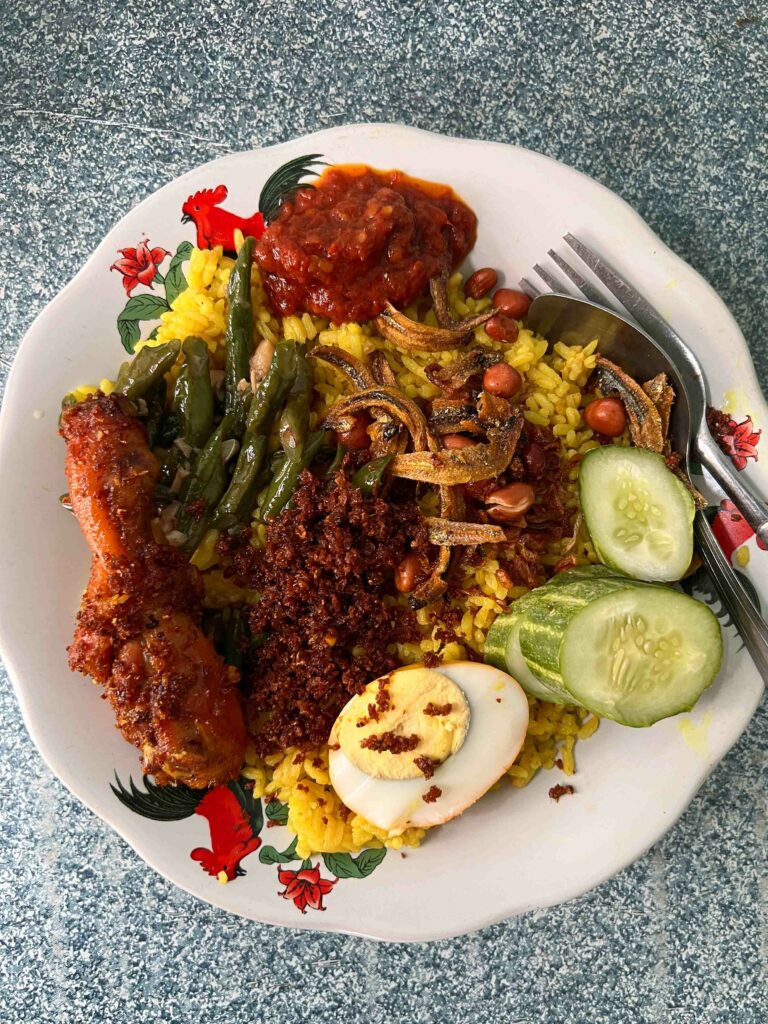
238, 502
197, 395
272, 390
338, 459
235, 636
205, 486
294, 421
147, 367
368, 478
239, 333
181, 397
240, 496
285, 481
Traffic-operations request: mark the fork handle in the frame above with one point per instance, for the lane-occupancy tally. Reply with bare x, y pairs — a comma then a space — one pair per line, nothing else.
751, 626
754, 511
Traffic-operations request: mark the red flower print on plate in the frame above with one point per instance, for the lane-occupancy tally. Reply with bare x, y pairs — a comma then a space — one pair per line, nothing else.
305, 887
737, 440
139, 265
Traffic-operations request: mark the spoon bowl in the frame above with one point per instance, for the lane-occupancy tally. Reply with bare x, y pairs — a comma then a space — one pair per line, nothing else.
577, 322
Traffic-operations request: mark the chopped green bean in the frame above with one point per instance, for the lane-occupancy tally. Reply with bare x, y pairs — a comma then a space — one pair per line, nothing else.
368, 478
181, 395
271, 391
338, 458
205, 486
284, 483
147, 367
235, 633
239, 500
294, 421
197, 398
275, 465
239, 335
155, 399
240, 496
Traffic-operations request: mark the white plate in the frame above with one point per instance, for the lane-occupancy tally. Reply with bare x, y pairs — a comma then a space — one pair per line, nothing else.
515, 850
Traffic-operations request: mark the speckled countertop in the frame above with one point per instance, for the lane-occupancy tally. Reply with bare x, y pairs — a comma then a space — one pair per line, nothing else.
100, 105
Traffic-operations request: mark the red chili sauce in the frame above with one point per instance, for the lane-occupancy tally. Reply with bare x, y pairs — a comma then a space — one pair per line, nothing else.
359, 239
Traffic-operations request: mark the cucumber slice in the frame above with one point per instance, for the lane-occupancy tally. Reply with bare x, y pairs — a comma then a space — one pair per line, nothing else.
547, 618
639, 515
580, 572
628, 651
502, 645
502, 649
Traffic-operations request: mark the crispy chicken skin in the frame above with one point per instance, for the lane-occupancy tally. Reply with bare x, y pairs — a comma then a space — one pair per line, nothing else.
138, 629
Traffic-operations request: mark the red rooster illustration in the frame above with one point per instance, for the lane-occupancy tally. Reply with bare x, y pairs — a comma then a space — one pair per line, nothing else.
232, 836
731, 529
235, 819
233, 814
214, 225
217, 227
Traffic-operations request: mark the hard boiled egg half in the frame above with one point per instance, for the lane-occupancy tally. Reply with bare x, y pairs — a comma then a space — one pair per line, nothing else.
419, 746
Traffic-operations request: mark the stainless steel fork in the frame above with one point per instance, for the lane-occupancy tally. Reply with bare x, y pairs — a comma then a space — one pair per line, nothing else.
695, 432
651, 321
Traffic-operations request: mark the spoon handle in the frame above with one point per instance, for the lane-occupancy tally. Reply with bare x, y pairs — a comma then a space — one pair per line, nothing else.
751, 626
754, 511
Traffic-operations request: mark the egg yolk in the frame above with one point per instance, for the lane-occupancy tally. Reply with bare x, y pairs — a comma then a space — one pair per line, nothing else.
403, 725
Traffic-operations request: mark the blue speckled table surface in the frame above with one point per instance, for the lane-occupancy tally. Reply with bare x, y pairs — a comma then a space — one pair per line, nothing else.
103, 103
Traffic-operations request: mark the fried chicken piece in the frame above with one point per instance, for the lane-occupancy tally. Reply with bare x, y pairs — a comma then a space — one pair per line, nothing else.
138, 629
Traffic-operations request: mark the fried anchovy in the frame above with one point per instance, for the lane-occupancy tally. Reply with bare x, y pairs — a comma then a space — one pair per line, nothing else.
341, 416
648, 411
463, 465
453, 415
355, 370
382, 372
456, 375
644, 418
387, 437
662, 394
448, 533
397, 328
435, 586
438, 288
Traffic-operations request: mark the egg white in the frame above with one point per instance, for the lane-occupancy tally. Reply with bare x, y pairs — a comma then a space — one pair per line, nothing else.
498, 724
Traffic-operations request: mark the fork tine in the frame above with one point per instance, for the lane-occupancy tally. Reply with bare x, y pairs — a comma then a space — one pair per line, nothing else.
635, 303
529, 288
586, 289
550, 279
616, 285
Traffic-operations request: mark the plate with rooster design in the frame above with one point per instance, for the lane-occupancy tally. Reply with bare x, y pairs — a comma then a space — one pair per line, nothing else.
516, 849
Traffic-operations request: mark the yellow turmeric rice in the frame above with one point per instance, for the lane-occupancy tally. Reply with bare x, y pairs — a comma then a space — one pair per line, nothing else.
553, 396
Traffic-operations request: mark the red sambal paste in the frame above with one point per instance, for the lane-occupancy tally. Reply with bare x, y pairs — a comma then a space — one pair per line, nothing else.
361, 238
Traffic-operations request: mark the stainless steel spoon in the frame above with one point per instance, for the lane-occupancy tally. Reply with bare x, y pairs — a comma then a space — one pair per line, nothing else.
576, 322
